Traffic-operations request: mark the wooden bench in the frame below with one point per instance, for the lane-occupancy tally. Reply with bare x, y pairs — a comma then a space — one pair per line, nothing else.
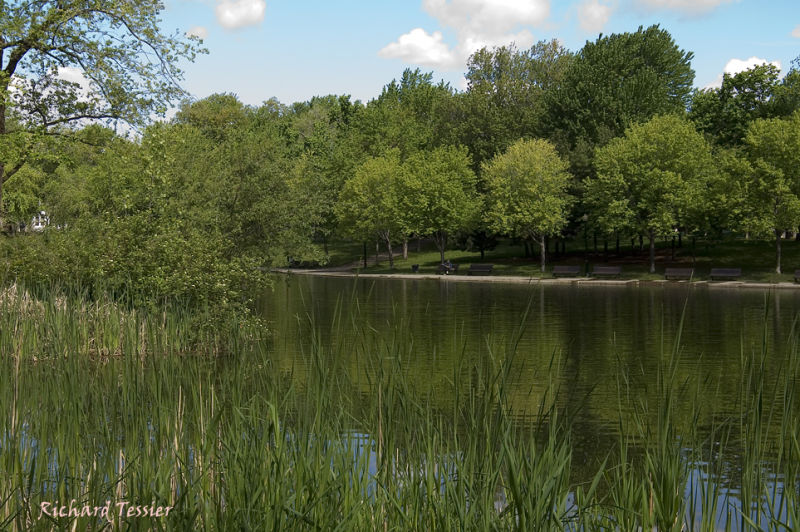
480, 269
569, 270
606, 271
445, 269
725, 273
678, 273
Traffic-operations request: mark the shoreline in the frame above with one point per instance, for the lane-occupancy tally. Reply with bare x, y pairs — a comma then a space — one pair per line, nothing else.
513, 279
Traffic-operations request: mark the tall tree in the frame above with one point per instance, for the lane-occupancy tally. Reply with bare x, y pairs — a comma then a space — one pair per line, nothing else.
504, 100
725, 113
774, 148
613, 83
368, 205
650, 179
528, 192
129, 67
437, 194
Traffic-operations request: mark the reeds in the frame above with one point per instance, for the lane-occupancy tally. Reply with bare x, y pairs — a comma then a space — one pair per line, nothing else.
106, 403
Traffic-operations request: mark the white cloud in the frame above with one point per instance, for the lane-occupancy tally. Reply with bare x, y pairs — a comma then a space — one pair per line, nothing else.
488, 17
796, 32
477, 23
198, 31
689, 7
593, 15
734, 66
420, 48
234, 14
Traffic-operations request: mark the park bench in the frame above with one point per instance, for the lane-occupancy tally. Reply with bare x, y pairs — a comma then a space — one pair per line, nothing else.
797, 276
678, 273
606, 271
415, 268
570, 270
725, 273
480, 269
445, 269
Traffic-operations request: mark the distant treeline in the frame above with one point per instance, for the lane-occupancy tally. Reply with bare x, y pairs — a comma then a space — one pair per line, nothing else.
543, 143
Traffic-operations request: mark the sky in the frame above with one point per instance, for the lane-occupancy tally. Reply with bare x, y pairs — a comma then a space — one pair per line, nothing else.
293, 50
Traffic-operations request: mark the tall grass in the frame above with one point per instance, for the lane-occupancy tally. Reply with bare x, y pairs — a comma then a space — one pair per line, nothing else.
105, 403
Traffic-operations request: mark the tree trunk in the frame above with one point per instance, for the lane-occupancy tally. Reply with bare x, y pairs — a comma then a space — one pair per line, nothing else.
595, 241
543, 251
641, 242
617, 243
652, 251
673, 249
778, 250
325, 245
391, 255
441, 241
482, 254
419, 244
680, 239
405, 248
365, 255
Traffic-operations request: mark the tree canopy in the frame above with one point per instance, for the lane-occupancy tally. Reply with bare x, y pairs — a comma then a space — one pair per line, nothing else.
63, 63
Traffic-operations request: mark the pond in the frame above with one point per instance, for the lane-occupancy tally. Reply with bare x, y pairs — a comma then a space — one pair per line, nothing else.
597, 332
409, 404
601, 349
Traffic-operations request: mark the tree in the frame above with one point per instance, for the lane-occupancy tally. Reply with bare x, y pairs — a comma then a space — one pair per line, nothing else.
774, 148
613, 83
325, 156
650, 179
437, 194
505, 97
725, 113
129, 67
527, 192
368, 203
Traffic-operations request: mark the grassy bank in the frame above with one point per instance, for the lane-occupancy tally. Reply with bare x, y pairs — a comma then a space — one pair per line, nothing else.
104, 405
756, 258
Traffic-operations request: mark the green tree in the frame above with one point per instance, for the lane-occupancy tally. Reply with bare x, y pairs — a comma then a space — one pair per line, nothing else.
774, 148
437, 194
130, 66
368, 205
325, 156
615, 82
725, 113
651, 179
528, 192
505, 96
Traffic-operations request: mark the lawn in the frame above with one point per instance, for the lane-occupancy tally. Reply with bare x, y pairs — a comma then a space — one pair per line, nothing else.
756, 258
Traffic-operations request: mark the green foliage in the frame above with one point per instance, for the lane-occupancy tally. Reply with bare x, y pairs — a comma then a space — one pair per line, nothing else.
130, 67
505, 97
437, 194
774, 149
409, 116
726, 113
368, 206
613, 83
651, 180
528, 191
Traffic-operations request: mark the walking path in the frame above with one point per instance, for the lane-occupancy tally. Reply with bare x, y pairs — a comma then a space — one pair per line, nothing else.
582, 281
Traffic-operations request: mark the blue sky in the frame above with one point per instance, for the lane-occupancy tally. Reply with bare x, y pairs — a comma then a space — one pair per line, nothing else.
296, 49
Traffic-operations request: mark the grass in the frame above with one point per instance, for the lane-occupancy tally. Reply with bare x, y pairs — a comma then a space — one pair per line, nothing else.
105, 404
755, 257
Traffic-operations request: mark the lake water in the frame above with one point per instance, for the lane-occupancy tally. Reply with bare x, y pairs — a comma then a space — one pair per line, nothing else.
596, 332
